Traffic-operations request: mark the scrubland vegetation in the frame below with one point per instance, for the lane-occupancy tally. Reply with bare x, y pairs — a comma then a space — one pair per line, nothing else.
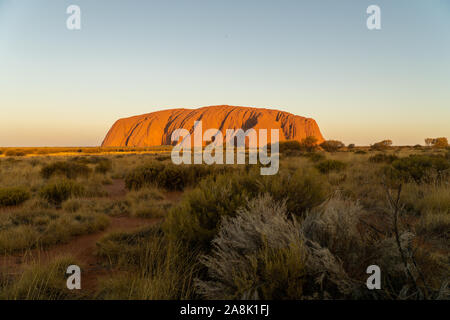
225, 231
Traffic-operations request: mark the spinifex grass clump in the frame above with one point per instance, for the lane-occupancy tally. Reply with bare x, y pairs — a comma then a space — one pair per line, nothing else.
13, 196
330, 165
31, 228
169, 176
152, 267
41, 281
68, 169
421, 168
59, 191
104, 166
383, 157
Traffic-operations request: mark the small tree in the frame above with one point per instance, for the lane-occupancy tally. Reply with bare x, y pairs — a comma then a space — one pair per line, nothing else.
351, 146
309, 143
382, 145
429, 141
440, 142
332, 145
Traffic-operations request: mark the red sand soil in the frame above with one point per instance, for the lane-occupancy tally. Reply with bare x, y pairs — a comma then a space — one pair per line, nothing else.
83, 248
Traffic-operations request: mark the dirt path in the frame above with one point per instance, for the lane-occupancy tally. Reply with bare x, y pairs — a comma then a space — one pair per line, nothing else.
82, 248
116, 189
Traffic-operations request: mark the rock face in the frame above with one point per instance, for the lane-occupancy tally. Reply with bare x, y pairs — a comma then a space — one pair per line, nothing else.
155, 129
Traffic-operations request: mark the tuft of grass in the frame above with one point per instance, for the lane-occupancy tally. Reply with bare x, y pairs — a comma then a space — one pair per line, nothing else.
151, 266
42, 282
70, 170
29, 229
330, 165
383, 157
104, 166
57, 192
13, 196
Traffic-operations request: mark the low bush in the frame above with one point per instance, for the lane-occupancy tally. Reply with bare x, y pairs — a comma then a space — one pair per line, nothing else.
383, 157
382, 145
309, 144
332, 145
421, 168
315, 156
330, 165
13, 196
197, 218
57, 192
289, 146
170, 176
142, 176
70, 170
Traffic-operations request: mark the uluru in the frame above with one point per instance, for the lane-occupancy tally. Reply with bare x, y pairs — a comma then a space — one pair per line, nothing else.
155, 129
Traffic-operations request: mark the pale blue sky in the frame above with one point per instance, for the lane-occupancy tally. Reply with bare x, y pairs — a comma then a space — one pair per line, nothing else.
311, 58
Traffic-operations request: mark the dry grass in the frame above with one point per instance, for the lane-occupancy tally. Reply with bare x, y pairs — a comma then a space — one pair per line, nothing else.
313, 238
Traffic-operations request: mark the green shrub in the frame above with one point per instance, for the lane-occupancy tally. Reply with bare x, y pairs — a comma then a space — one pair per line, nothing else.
383, 157
332, 145
13, 196
327, 166
57, 192
302, 190
142, 176
309, 143
289, 145
197, 218
70, 170
421, 168
315, 156
170, 176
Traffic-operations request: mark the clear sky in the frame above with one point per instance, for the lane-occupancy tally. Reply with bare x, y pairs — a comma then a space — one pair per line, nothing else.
311, 58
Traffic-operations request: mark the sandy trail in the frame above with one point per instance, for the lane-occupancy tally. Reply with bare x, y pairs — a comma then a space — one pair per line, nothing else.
81, 248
